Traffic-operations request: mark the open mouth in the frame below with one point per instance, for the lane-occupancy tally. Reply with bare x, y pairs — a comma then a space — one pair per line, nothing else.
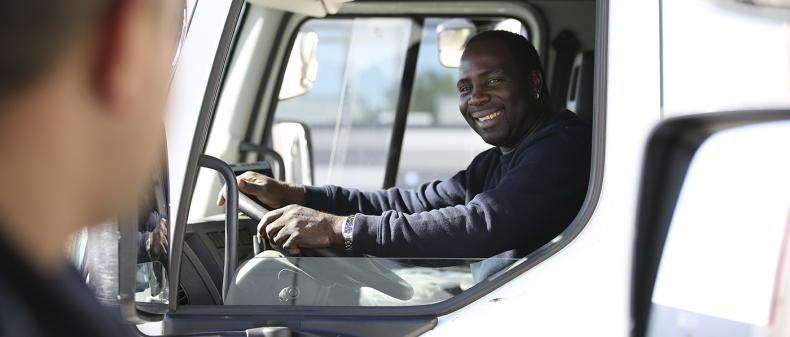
490, 116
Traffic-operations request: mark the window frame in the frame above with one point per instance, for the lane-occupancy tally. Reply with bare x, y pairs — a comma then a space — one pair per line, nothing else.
405, 9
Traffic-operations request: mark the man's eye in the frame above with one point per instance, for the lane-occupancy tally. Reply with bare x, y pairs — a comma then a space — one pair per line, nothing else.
464, 89
494, 81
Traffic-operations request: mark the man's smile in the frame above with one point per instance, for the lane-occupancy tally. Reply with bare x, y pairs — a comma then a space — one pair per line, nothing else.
487, 118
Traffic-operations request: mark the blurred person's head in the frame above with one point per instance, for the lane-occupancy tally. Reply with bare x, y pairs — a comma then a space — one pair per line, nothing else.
503, 96
82, 90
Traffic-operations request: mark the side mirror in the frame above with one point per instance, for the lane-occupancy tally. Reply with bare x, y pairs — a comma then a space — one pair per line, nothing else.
302, 68
452, 36
293, 141
124, 260
144, 254
713, 228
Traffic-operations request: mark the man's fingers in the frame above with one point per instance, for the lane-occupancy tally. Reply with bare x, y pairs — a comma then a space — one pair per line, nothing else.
273, 230
248, 182
244, 187
268, 218
287, 238
221, 198
292, 245
251, 182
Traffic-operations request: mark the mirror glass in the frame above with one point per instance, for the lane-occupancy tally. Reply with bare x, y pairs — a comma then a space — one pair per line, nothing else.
720, 266
451, 38
125, 257
300, 73
151, 283
150, 279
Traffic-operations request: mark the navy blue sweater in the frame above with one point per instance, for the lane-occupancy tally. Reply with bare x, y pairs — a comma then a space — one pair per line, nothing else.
502, 204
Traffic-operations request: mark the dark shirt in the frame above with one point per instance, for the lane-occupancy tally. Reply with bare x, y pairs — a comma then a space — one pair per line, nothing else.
33, 304
502, 204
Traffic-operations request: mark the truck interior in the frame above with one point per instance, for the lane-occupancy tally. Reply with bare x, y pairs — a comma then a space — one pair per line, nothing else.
362, 96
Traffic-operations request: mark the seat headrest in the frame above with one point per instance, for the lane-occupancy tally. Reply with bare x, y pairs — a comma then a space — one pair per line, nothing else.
580, 87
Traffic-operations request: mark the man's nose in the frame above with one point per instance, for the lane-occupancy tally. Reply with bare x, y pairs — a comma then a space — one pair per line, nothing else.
479, 97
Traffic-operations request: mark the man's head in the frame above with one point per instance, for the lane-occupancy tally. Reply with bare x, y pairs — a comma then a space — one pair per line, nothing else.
502, 93
82, 90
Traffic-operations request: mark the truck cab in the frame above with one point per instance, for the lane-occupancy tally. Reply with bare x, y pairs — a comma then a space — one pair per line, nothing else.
686, 101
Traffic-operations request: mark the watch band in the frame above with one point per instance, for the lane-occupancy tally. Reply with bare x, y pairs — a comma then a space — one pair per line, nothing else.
348, 234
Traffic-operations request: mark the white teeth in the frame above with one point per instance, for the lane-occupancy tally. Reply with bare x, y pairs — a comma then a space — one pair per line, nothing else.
489, 116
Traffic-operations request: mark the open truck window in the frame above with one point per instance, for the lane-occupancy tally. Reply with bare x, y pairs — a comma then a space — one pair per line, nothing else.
364, 102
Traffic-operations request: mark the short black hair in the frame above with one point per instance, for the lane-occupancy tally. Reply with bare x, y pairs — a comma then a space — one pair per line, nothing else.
35, 33
524, 54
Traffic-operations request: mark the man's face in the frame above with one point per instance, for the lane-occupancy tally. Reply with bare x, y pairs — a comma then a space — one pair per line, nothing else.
493, 97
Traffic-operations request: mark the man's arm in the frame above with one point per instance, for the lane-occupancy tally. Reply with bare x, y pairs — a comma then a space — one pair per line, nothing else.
341, 201
531, 205
320, 225
428, 196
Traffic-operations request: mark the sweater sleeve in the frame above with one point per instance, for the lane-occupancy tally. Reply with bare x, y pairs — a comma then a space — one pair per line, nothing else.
426, 197
532, 203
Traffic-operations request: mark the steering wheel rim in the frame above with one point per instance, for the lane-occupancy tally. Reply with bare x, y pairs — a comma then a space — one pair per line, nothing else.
365, 271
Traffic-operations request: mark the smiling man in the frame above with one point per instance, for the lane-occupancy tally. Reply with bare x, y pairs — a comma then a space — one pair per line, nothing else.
512, 198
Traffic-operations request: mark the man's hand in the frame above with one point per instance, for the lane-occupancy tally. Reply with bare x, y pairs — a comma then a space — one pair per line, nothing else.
157, 240
270, 192
294, 227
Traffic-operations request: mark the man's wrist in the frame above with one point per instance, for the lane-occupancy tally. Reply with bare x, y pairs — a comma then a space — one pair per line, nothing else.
348, 234
295, 193
343, 232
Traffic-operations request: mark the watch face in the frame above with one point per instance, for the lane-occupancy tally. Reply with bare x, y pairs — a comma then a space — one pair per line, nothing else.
349, 227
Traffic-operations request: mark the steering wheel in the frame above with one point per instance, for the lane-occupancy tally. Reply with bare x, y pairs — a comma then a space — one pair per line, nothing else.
364, 271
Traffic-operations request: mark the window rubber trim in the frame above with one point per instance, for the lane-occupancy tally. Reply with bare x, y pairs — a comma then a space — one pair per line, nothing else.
407, 9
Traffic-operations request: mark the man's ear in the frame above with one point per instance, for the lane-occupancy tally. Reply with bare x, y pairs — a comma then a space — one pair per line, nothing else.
535, 80
112, 55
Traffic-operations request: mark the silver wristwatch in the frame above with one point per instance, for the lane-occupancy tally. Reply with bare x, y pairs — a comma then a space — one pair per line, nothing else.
348, 234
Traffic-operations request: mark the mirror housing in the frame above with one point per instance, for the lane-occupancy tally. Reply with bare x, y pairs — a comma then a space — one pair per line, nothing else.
670, 149
452, 36
302, 68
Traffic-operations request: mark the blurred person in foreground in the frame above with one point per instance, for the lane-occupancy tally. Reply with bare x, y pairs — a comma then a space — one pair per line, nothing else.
81, 84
